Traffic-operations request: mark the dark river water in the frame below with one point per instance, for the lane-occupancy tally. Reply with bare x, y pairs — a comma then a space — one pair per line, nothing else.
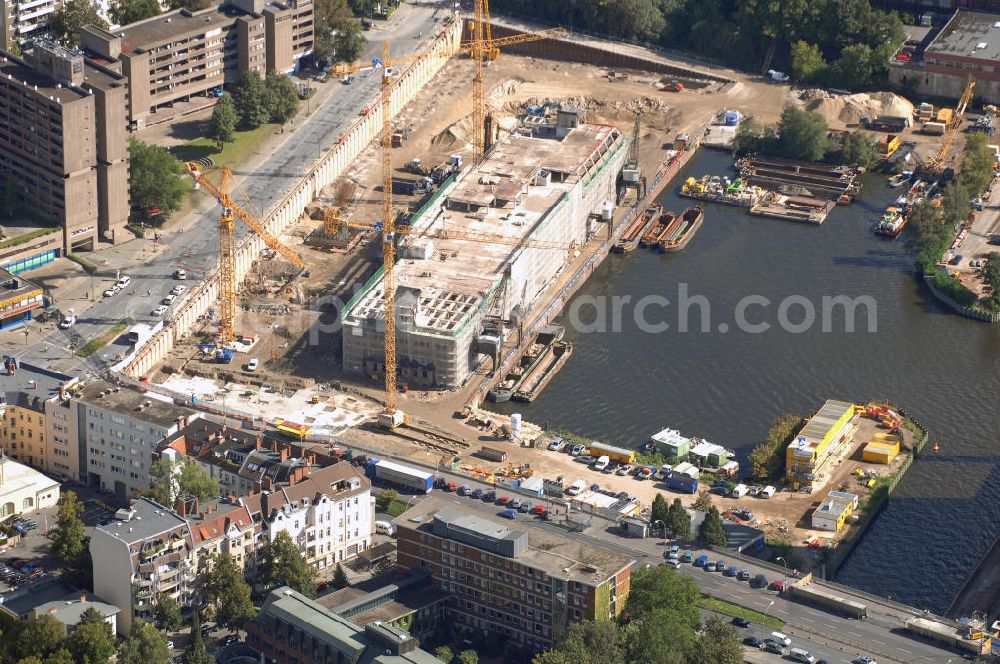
628, 378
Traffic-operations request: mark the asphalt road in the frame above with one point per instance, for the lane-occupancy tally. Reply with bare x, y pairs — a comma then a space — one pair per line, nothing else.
193, 244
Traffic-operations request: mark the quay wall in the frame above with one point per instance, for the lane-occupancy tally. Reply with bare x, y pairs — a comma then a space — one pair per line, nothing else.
961, 309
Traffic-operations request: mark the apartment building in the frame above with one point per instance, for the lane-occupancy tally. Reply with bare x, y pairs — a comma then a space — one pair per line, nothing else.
30, 396
179, 61
147, 550
62, 137
293, 629
519, 584
24, 19
119, 430
222, 528
328, 514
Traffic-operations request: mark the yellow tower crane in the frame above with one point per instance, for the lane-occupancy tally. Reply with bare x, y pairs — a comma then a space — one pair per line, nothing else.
227, 248
482, 48
938, 160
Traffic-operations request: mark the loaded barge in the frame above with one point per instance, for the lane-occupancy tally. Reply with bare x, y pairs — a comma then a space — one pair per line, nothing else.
714, 189
683, 231
793, 208
553, 359
639, 226
533, 355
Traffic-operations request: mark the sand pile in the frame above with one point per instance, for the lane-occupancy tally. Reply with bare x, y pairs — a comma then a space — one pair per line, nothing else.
849, 109
459, 133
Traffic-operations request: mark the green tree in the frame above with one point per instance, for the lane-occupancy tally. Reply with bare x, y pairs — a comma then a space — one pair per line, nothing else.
61, 656
222, 125
91, 642
660, 638
659, 516
39, 638
588, 642
284, 566
802, 134
124, 12
154, 177
767, 459
167, 613
955, 202
196, 482
225, 585
654, 588
703, 501
678, 520
144, 645
444, 654
67, 538
859, 149
251, 100
385, 499
711, 530
163, 487
748, 137
348, 42
9, 203
324, 48
196, 652
74, 15
468, 657
991, 277
282, 99
928, 237
339, 577
717, 643
978, 165
191, 5
807, 62
855, 66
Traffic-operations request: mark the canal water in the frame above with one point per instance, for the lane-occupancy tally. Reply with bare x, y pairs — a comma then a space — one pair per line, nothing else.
725, 382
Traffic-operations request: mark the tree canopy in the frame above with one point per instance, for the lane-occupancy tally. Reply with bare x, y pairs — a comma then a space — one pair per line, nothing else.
222, 125
678, 520
167, 613
124, 12
74, 15
251, 100
768, 458
225, 585
67, 538
283, 566
91, 642
282, 99
348, 41
196, 652
711, 530
154, 177
144, 645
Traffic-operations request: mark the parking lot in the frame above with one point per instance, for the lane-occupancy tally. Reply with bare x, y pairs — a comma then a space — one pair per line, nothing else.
29, 561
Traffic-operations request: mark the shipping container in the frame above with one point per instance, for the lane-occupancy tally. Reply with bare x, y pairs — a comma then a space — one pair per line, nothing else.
681, 482
399, 475
491, 454
619, 454
945, 115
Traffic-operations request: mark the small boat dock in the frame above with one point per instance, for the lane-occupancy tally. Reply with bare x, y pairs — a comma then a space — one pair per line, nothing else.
793, 208
791, 177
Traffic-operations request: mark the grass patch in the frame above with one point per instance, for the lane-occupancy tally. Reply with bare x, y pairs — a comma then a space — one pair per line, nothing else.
88, 266
738, 611
396, 507
103, 340
27, 237
234, 153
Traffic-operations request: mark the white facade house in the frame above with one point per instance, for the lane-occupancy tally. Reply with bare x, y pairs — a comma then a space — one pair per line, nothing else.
24, 490
328, 514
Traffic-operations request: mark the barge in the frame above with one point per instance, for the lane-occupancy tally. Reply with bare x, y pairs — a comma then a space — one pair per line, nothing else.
793, 208
539, 347
683, 231
658, 229
634, 233
724, 191
553, 360
892, 223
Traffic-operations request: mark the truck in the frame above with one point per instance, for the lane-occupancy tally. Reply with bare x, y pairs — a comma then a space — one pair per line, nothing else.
223, 356
446, 169
934, 128
681, 482
412, 187
399, 475
491, 454
619, 454
890, 123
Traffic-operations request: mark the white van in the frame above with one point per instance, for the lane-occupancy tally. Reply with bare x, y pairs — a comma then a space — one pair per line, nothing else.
384, 528
576, 487
781, 638
601, 463
800, 655
768, 492
123, 282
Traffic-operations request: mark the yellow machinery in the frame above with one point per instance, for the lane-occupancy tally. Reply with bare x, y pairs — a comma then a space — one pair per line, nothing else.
227, 249
937, 161
482, 48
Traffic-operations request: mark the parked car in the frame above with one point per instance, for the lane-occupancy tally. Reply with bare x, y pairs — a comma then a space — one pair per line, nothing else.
509, 514
864, 659
578, 450
623, 470
759, 581
159, 311
687, 556
710, 567
773, 647
753, 642
169, 299
110, 292
178, 289
466, 490
477, 494
253, 364
584, 458
516, 503
701, 561
525, 507
731, 571
743, 575
503, 500
741, 622
490, 496
557, 445
67, 322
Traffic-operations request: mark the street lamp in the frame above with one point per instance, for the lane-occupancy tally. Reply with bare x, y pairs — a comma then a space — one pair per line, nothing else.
765, 616
784, 563
660, 521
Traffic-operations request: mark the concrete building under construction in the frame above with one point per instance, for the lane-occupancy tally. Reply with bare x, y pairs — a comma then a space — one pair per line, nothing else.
514, 221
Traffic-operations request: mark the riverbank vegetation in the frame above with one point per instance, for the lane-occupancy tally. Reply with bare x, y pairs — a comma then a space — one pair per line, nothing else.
767, 460
844, 43
661, 623
801, 134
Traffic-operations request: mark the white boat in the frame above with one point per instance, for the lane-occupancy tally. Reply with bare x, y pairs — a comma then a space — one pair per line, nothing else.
899, 180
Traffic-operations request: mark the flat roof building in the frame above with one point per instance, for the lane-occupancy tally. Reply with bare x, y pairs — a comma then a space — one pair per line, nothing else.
18, 299
179, 61
290, 629
968, 45
515, 582
832, 513
514, 220
63, 139
820, 438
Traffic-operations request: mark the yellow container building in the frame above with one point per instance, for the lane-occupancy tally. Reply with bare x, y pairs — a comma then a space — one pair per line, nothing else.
822, 434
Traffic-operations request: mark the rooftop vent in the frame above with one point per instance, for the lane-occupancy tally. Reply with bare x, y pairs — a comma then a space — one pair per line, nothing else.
982, 45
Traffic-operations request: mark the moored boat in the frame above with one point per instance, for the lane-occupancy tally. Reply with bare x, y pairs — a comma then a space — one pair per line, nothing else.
533, 354
633, 234
658, 229
900, 179
683, 231
544, 371
892, 223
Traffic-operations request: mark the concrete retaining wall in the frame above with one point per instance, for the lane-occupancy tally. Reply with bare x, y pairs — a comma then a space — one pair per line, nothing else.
961, 309
290, 208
